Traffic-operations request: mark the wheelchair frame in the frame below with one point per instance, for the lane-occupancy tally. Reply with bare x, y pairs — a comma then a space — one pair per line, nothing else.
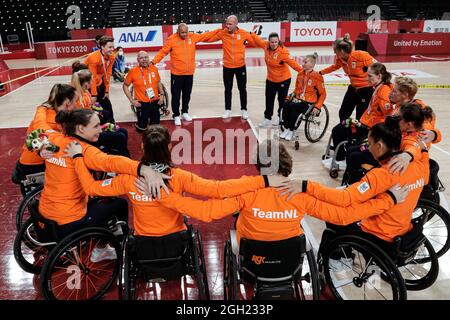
163, 109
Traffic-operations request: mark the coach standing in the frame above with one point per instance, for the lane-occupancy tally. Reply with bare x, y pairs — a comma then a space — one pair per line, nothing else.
181, 47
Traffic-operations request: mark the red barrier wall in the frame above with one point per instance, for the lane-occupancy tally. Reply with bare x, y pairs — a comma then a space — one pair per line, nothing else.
63, 49
404, 44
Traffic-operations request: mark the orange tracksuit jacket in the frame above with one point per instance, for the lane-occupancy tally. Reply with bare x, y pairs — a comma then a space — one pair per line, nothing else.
182, 52
379, 106
85, 102
63, 199
389, 224
309, 86
136, 77
155, 218
44, 119
277, 61
353, 67
98, 64
430, 125
233, 45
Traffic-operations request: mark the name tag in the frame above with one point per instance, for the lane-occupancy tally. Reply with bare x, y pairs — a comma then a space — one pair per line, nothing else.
150, 93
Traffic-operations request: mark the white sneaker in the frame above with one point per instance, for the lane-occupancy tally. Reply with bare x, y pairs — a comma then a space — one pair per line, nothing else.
227, 114
177, 121
289, 135
244, 114
327, 163
284, 133
186, 117
276, 121
347, 264
341, 266
265, 123
100, 254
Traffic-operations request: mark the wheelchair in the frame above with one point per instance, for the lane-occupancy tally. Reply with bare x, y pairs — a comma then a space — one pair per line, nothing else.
276, 270
163, 109
374, 273
65, 266
33, 186
315, 125
151, 260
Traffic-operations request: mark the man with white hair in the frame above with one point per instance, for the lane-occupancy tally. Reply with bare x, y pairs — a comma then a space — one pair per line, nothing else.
233, 44
181, 47
147, 91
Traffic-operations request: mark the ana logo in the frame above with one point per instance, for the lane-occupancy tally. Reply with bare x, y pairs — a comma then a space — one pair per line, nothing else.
137, 37
363, 187
258, 259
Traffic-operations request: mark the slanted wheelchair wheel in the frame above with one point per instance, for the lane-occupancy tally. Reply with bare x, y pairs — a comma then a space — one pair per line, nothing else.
69, 273
129, 275
29, 256
199, 268
307, 284
334, 173
437, 227
419, 274
372, 274
230, 280
316, 126
164, 110
203, 265
23, 212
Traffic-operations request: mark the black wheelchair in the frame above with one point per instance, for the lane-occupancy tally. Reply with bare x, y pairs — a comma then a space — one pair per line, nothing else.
150, 260
315, 125
375, 273
163, 109
283, 269
65, 265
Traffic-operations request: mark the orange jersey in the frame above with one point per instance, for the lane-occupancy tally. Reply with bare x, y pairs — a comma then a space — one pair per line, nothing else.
309, 87
156, 218
277, 61
182, 52
63, 199
233, 45
143, 80
355, 67
379, 106
101, 70
44, 119
391, 223
85, 102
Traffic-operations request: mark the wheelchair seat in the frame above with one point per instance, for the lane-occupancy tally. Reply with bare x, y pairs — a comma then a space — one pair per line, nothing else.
46, 229
407, 245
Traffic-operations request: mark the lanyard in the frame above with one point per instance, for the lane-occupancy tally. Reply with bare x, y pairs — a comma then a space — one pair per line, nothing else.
105, 67
304, 85
143, 77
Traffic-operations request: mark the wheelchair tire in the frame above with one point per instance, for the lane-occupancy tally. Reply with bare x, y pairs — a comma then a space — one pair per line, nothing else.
69, 257
230, 280
22, 213
377, 260
203, 266
334, 173
309, 126
311, 277
28, 255
437, 228
129, 276
203, 292
164, 111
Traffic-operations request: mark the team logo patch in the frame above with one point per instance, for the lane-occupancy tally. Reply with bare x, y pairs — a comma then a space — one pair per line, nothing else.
239, 37
387, 106
353, 65
153, 74
275, 56
363, 187
106, 183
416, 145
309, 82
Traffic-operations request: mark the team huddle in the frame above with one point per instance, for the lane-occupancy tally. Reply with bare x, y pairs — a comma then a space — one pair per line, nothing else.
383, 149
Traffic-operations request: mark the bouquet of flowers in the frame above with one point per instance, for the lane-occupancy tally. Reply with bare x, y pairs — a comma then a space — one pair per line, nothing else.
110, 127
97, 107
37, 140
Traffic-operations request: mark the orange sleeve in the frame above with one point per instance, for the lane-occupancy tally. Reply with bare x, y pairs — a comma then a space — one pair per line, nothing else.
98, 160
92, 66
343, 215
216, 37
194, 184
438, 136
367, 59
287, 58
164, 51
129, 78
432, 127
384, 103
40, 119
204, 37
376, 181
320, 86
260, 42
250, 39
110, 187
412, 147
336, 66
206, 211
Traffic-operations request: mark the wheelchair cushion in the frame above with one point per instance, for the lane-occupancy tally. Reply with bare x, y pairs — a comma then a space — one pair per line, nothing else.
272, 259
173, 247
283, 290
411, 240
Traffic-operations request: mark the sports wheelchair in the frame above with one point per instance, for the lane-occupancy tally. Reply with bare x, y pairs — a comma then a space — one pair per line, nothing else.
315, 125
163, 109
65, 265
375, 273
159, 259
283, 269
34, 184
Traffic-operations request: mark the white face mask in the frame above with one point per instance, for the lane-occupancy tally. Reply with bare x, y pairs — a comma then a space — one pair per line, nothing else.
120, 53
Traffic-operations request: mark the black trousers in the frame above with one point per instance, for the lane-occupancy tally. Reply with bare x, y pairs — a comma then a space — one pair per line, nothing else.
291, 112
275, 88
356, 157
114, 142
99, 212
341, 133
181, 87
355, 98
147, 114
241, 78
105, 103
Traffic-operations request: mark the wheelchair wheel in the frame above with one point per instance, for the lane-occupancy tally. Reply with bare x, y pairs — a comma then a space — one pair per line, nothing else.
203, 265
129, 275
334, 173
420, 275
307, 285
199, 267
437, 228
230, 281
164, 109
29, 255
23, 212
372, 275
316, 126
69, 273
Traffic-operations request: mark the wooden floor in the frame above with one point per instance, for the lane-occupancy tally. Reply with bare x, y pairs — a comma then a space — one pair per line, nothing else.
17, 108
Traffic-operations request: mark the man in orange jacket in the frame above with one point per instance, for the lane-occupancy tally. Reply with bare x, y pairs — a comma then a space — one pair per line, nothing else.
233, 43
181, 47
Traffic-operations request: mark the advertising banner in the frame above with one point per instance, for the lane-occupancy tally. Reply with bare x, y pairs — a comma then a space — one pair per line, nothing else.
312, 31
138, 37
